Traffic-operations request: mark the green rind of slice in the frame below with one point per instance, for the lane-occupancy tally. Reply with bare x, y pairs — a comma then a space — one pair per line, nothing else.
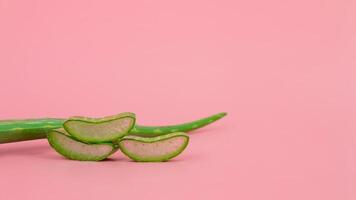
99, 130
75, 150
154, 149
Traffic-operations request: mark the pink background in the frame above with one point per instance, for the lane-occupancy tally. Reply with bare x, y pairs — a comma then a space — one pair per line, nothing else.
285, 71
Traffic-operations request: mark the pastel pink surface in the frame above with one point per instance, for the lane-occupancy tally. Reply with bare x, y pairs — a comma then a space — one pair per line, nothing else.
284, 70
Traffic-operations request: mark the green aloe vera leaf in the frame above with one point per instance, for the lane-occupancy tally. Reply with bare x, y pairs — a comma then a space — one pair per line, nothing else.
76, 150
31, 129
154, 149
99, 130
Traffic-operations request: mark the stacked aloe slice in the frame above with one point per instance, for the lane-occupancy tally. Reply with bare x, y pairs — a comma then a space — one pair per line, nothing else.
90, 139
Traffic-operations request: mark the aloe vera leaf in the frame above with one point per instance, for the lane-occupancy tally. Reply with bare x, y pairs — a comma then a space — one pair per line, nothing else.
30, 129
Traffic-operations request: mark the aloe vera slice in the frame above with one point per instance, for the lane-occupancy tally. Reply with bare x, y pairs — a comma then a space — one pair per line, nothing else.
99, 130
154, 149
75, 150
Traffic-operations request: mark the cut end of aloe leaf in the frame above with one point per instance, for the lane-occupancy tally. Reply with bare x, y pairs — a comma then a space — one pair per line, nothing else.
98, 130
75, 150
154, 149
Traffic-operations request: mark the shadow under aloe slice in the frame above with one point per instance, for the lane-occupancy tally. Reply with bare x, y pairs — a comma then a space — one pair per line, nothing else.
154, 149
99, 130
75, 150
